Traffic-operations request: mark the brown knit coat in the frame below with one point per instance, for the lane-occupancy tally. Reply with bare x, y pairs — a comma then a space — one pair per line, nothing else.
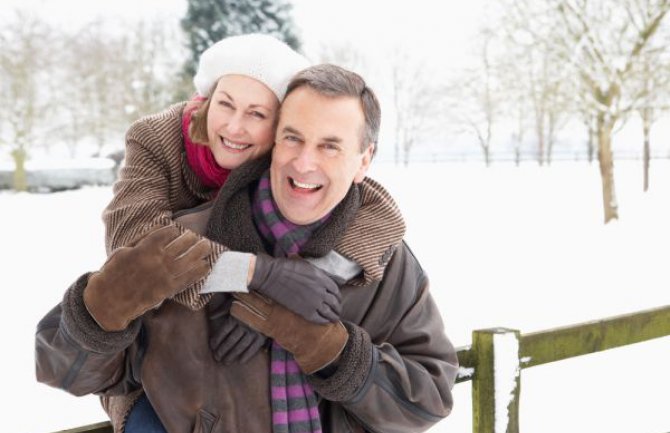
155, 182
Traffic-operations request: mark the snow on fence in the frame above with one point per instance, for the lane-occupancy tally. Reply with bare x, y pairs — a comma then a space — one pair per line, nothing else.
488, 374
494, 361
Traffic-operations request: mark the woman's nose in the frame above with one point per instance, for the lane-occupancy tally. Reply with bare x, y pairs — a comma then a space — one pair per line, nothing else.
235, 125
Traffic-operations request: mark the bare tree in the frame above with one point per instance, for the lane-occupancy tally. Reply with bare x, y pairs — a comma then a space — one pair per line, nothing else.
654, 86
532, 71
110, 78
476, 98
24, 67
606, 39
345, 55
601, 42
146, 67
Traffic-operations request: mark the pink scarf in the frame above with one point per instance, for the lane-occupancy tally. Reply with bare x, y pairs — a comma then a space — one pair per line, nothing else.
200, 156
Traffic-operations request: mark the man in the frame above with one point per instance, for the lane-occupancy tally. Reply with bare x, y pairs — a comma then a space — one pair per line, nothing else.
385, 365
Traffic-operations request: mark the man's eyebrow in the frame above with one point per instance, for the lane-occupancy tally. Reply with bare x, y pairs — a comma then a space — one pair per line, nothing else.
291, 130
332, 139
327, 139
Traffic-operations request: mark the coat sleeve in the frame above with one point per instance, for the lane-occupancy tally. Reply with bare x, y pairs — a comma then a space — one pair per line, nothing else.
142, 194
398, 369
74, 354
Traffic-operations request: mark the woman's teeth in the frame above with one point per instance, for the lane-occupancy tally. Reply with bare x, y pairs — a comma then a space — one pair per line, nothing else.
233, 145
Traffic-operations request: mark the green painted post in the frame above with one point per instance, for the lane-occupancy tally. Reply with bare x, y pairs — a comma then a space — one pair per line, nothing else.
496, 382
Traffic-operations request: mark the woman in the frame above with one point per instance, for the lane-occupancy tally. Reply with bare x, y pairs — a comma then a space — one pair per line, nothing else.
180, 157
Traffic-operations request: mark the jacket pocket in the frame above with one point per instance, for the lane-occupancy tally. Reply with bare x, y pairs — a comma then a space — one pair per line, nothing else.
205, 422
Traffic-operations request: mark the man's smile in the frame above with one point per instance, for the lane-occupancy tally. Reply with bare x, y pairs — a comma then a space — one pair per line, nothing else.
303, 186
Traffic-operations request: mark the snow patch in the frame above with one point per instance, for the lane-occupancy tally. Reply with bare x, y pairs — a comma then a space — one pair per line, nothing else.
465, 372
506, 371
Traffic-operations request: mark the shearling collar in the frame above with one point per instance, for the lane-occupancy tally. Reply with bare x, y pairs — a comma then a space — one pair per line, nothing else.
365, 227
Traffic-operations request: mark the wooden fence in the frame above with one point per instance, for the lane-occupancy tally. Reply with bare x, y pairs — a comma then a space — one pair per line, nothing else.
505, 352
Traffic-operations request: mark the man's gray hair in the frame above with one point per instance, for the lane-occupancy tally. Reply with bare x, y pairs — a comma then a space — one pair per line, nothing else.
332, 80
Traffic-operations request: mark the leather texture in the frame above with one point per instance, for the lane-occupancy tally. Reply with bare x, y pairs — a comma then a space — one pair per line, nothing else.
314, 346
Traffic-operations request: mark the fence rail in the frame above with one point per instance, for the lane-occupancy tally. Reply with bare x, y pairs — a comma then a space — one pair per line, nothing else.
505, 352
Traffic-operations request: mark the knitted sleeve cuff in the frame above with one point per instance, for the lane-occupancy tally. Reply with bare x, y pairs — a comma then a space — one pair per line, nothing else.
82, 328
353, 368
229, 273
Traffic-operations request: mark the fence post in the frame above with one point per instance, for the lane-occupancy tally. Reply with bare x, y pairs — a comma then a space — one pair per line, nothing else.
496, 382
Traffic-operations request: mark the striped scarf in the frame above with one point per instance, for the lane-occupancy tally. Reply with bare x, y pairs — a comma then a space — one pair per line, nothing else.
294, 405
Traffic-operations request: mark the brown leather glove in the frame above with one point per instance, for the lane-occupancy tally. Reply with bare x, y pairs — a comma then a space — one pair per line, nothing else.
137, 278
314, 346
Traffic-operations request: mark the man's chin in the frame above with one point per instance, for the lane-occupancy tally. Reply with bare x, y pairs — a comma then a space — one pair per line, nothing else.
303, 217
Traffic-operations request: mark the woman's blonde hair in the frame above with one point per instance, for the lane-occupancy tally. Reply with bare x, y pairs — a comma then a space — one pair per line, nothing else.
197, 130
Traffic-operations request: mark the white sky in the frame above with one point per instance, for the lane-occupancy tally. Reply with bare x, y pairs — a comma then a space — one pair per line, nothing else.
435, 29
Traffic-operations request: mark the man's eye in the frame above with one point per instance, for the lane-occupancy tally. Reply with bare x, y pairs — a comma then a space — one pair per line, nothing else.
258, 115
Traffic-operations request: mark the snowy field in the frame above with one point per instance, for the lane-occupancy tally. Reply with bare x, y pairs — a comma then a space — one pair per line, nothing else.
523, 248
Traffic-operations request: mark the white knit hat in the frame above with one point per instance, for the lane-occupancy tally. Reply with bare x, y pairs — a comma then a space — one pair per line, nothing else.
258, 56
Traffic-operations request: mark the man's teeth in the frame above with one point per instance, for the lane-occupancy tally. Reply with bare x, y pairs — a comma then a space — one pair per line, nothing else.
236, 146
305, 185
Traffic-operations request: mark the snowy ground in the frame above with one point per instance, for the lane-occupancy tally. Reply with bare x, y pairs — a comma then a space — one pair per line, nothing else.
521, 247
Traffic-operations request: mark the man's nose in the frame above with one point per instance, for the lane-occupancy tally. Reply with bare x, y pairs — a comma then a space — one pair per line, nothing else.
306, 160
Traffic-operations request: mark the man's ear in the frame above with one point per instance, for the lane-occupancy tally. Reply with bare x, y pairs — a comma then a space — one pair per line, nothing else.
365, 163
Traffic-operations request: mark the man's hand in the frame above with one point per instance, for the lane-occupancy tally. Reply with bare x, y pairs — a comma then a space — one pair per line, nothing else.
140, 277
229, 339
299, 286
313, 346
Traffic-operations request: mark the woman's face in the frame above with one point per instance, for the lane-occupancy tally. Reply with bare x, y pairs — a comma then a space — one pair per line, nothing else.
240, 120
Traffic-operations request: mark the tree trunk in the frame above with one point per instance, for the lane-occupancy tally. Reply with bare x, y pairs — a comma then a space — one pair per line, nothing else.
551, 136
517, 155
646, 127
540, 141
590, 145
396, 147
20, 177
605, 157
406, 149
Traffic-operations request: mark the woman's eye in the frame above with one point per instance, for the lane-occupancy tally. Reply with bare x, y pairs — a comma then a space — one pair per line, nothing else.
226, 104
258, 115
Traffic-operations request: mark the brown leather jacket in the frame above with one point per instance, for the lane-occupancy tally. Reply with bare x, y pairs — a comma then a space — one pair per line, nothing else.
395, 374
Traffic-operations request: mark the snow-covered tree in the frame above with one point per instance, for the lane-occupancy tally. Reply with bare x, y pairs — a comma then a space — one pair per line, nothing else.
25, 61
415, 96
532, 71
476, 97
601, 41
653, 83
208, 21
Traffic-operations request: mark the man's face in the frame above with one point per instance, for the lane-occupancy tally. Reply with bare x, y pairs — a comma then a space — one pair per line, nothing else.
317, 155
